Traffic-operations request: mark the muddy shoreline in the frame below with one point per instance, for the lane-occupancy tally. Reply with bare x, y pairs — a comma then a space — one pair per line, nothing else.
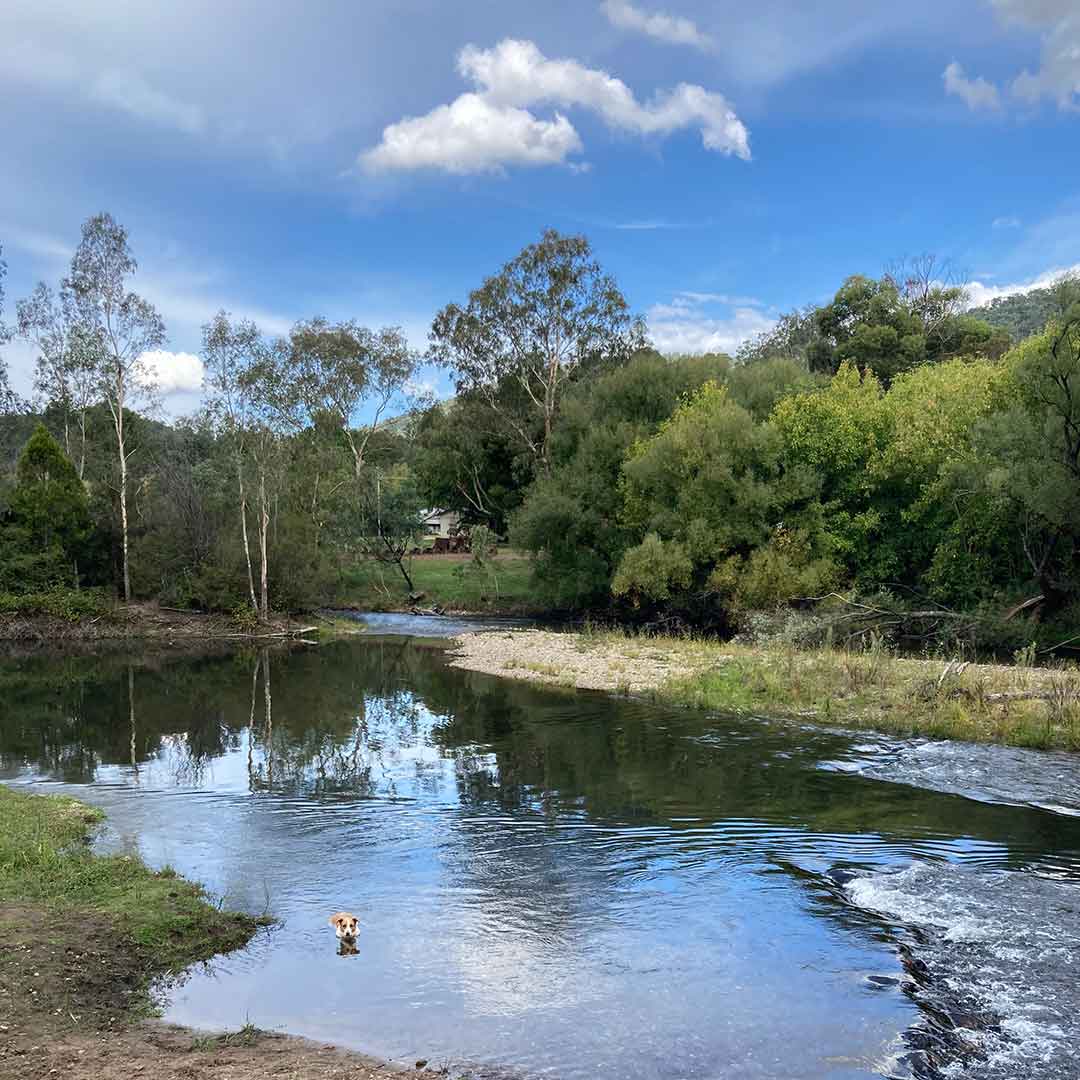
69, 997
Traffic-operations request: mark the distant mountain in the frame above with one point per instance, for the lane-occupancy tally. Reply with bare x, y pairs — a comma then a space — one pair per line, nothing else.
1022, 314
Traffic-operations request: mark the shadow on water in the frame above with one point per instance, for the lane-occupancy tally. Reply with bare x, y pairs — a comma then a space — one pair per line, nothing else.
563, 883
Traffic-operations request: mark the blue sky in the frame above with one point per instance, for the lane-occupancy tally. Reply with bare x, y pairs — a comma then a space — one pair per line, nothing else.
375, 159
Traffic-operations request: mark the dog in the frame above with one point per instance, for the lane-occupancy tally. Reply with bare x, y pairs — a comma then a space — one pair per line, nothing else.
345, 926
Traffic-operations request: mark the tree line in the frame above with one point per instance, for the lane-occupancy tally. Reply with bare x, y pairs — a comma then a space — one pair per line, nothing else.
890, 442
255, 501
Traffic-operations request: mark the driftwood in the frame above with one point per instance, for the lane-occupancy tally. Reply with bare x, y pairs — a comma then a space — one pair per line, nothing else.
861, 620
436, 610
279, 635
1027, 695
1026, 605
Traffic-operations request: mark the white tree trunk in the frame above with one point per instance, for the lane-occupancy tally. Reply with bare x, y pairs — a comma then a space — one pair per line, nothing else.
244, 531
119, 420
264, 525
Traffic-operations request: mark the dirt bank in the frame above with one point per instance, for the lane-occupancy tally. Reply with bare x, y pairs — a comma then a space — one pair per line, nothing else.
86, 941
69, 998
143, 622
1023, 706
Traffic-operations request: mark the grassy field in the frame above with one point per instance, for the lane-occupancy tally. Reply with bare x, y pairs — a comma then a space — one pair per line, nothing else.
45, 862
874, 688
449, 581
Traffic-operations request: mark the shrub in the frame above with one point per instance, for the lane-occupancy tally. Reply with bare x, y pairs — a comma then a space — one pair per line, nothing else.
66, 604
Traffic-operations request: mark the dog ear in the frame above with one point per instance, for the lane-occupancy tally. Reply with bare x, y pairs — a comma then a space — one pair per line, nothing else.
333, 920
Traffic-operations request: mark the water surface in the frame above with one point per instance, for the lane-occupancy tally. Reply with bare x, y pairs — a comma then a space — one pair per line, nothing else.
567, 885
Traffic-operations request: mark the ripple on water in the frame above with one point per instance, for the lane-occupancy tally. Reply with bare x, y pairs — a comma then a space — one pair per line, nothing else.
998, 987
1049, 780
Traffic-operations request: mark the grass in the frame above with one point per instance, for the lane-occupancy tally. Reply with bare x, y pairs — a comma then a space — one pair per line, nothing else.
248, 1035
68, 604
449, 581
873, 687
45, 861
336, 625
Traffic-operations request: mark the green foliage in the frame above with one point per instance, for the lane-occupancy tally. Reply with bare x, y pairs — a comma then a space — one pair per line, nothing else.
47, 530
465, 462
783, 569
551, 313
1028, 455
44, 859
653, 570
887, 326
880, 441
571, 520
67, 604
707, 477
1021, 314
760, 385
709, 492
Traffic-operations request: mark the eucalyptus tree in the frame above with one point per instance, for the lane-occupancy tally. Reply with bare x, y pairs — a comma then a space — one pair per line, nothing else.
121, 327
331, 385
347, 377
266, 431
66, 374
7, 398
231, 350
521, 337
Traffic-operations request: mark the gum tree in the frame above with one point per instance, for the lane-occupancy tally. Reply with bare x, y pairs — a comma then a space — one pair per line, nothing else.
66, 375
230, 351
7, 398
521, 337
121, 327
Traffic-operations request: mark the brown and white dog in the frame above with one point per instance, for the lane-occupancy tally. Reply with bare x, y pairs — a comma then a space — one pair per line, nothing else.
345, 926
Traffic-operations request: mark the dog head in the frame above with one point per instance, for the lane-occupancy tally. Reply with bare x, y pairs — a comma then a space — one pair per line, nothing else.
345, 925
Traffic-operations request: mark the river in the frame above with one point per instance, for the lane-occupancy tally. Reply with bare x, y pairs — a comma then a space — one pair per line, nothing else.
563, 884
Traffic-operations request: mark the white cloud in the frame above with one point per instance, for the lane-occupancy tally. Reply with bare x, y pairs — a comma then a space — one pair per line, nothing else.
518, 73
976, 93
130, 93
980, 293
673, 29
40, 245
120, 89
706, 322
1007, 222
172, 372
426, 387
1058, 75
473, 133
21, 358
190, 299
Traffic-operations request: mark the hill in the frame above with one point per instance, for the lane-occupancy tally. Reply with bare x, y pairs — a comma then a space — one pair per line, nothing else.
1022, 314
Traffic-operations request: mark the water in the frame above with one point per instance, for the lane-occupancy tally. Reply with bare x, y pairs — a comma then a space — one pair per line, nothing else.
566, 885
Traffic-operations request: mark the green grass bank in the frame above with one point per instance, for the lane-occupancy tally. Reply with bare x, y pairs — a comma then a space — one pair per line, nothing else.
46, 863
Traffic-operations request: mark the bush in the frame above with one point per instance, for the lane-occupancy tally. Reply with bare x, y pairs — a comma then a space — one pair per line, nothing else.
783, 570
59, 603
653, 570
